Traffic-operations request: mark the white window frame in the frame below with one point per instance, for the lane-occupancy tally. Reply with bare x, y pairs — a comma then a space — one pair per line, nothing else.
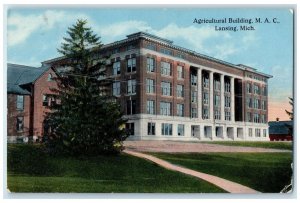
131, 86
150, 107
117, 68
150, 84
116, 88
166, 89
166, 68
165, 108
180, 110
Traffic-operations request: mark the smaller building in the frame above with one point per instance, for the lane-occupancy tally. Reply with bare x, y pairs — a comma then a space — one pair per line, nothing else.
28, 96
281, 130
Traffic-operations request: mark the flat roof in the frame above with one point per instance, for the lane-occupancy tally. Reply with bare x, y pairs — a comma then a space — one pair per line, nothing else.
166, 42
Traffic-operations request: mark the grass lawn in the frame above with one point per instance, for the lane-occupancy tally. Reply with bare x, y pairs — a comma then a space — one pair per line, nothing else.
265, 172
32, 170
274, 145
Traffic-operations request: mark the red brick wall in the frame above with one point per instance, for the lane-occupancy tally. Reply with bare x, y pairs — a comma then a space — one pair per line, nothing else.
13, 113
41, 87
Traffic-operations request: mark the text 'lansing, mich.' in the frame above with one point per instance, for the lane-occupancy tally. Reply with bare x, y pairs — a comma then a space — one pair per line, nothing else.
245, 23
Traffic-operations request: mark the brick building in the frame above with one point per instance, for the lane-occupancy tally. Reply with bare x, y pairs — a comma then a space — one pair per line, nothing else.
281, 130
170, 92
28, 95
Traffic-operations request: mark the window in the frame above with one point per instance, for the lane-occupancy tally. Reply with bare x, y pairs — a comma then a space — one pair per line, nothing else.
179, 72
205, 98
150, 107
217, 100
205, 81
264, 105
131, 86
130, 128
193, 79
264, 91
256, 118
151, 47
20, 102
227, 86
249, 117
179, 55
180, 110
180, 130
131, 65
166, 51
250, 132
116, 89
166, 129
205, 114
45, 100
165, 108
131, 106
227, 101
150, 86
264, 133
150, 65
256, 103
194, 96
249, 102
166, 68
151, 128
257, 132
50, 77
194, 113
249, 90
217, 85
227, 115
166, 88
20, 123
256, 89
180, 92
115, 51
131, 46
217, 114
117, 68
263, 118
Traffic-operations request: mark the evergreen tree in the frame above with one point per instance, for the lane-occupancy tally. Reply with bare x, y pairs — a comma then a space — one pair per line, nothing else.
291, 113
84, 120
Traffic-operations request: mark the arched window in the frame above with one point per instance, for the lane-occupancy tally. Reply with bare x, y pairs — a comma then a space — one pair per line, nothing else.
49, 77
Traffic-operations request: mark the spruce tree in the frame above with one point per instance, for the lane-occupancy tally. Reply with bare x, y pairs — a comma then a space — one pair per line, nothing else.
84, 120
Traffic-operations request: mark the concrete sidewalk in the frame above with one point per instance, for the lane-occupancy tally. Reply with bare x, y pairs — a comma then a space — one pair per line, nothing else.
226, 185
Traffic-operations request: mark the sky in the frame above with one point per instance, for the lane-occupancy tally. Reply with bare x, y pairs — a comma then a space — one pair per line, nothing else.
35, 33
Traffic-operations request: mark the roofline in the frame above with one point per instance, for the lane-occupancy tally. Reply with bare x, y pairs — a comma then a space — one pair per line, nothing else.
22, 66
144, 35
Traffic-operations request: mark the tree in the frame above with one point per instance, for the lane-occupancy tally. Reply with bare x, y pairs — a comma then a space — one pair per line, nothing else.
84, 121
291, 113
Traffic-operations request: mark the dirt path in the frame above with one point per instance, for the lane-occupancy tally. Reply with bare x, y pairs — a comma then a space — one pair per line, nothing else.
187, 147
227, 185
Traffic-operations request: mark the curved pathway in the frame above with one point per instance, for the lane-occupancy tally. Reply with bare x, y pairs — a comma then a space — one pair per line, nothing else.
227, 185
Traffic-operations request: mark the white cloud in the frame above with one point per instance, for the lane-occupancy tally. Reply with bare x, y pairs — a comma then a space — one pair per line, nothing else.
20, 27
118, 30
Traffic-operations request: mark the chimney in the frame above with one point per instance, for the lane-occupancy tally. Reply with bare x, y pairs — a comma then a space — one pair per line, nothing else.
277, 119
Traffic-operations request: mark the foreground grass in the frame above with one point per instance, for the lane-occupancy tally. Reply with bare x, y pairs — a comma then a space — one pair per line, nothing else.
32, 170
273, 145
265, 172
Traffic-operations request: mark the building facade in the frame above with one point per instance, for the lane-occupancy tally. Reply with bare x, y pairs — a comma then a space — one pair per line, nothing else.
171, 93
29, 95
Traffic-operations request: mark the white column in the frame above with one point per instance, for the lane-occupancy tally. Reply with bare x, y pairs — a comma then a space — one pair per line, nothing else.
222, 98
232, 105
199, 99
211, 96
